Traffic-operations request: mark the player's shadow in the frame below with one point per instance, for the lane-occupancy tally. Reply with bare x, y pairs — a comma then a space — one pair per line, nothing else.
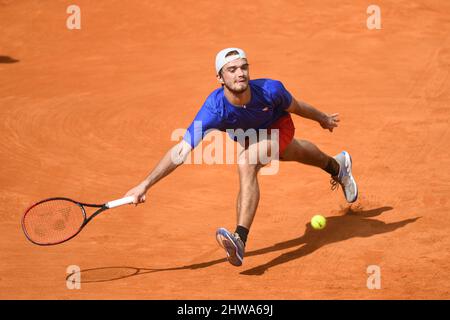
352, 224
6, 59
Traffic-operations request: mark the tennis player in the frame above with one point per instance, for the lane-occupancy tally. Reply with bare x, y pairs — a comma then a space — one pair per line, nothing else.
246, 104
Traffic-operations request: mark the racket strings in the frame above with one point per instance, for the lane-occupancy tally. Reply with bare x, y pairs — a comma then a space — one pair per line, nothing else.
53, 221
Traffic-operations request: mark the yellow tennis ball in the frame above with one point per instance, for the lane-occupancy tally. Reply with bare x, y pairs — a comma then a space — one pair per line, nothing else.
318, 222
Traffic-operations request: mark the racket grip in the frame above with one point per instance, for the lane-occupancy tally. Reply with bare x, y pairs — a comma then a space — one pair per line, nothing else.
119, 202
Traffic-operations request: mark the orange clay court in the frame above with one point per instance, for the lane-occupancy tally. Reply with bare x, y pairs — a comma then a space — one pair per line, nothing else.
86, 114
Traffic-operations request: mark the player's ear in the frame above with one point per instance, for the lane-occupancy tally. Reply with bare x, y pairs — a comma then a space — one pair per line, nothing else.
219, 78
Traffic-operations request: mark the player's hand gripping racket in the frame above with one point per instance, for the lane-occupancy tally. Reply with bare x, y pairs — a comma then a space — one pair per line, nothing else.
56, 220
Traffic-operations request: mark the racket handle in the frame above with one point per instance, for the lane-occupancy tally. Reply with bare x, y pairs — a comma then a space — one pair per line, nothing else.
119, 202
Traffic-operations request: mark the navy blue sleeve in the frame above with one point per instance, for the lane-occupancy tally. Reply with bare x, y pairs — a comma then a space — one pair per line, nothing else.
280, 96
203, 121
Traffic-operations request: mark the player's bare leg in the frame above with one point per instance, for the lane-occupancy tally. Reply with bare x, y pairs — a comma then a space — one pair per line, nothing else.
307, 153
248, 196
249, 165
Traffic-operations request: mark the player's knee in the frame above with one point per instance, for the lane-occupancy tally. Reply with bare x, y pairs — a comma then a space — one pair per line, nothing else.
248, 169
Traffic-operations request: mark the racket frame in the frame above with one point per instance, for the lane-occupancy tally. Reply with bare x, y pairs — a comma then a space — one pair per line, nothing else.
86, 220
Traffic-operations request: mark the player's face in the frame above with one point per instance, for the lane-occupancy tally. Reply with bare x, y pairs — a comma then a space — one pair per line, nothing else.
235, 75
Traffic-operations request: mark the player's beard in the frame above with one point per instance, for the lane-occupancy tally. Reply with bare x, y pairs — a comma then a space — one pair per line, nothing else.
237, 91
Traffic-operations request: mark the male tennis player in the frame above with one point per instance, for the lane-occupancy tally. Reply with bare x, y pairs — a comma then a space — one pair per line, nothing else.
246, 104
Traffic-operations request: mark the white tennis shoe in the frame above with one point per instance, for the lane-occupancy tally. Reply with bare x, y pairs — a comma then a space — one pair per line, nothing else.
345, 177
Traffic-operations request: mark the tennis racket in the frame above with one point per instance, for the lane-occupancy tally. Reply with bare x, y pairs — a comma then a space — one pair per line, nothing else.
57, 220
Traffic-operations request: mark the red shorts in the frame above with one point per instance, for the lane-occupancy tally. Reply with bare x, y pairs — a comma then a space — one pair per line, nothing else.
286, 131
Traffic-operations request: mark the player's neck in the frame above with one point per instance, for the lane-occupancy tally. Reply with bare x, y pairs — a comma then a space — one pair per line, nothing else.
238, 99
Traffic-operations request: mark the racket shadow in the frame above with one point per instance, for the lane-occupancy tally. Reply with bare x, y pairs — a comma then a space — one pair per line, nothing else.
106, 274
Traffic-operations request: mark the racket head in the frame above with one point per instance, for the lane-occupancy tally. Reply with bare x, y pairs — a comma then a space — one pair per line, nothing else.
53, 221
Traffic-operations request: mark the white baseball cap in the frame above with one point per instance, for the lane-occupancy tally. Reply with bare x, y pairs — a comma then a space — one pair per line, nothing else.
221, 60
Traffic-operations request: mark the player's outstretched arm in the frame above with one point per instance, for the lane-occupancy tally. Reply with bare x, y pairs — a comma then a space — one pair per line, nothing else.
305, 110
171, 160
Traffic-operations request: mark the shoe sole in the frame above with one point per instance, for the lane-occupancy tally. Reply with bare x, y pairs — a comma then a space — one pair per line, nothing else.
348, 158
230, 248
